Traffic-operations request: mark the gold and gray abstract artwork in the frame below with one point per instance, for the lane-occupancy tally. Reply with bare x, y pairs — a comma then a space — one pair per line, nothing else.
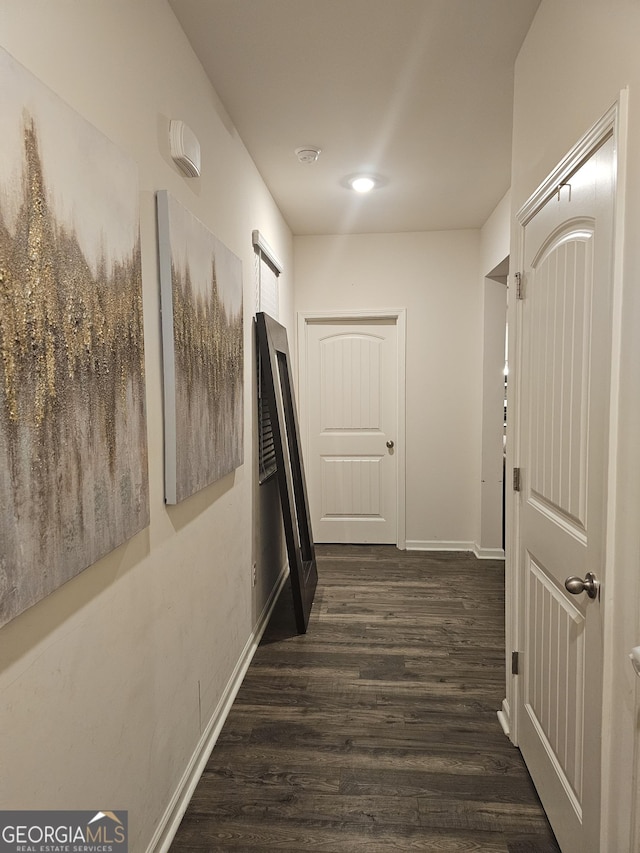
201, 290
73, 438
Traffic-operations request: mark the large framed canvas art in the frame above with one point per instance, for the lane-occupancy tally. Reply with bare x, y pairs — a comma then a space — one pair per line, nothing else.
73, 438
202, 342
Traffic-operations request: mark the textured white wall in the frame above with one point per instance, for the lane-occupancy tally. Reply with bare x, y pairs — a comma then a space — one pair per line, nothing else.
577, 57
108, 683
435, 277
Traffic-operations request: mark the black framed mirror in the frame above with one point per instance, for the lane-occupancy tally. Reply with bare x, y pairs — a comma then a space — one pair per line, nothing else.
273, 350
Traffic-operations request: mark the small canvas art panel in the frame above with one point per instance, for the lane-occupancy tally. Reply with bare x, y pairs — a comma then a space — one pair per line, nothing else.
202, 341
73, 437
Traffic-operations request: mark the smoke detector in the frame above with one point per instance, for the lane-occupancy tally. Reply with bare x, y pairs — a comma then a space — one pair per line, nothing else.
307, 154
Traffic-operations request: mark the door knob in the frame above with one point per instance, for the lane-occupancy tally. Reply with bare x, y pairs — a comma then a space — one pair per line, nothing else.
390, 445
590, 585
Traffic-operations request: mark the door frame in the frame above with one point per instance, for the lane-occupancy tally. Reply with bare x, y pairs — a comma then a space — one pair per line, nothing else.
399, 316
614, 121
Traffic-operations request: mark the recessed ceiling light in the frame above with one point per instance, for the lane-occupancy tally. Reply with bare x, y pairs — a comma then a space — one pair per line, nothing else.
363, 184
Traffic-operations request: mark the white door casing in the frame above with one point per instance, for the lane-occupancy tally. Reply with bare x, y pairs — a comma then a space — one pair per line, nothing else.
351, 370
564, 372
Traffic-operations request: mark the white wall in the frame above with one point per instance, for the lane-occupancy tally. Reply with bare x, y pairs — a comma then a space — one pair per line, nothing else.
495, 235
108, 683
575, 60
435, 277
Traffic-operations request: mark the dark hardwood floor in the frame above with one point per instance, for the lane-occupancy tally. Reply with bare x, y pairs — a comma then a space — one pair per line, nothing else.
377, 730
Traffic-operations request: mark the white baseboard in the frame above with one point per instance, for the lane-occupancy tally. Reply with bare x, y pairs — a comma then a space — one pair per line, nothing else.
438, 545
504, 716
443, 545
174, 813
488, 553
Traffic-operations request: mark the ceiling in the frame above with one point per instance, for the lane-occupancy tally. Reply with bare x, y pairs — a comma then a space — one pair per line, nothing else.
418, 92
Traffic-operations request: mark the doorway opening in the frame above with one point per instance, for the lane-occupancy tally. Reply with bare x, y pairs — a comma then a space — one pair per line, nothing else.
494, 413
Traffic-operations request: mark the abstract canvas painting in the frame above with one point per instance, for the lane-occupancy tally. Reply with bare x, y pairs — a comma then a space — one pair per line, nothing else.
202, 329
73, 438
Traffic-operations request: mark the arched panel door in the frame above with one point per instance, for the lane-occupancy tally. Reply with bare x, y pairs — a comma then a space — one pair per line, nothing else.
565, 388
352, 417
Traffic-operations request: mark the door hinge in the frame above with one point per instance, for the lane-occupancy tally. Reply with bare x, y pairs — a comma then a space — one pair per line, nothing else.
519, 285
515, 662
517, 480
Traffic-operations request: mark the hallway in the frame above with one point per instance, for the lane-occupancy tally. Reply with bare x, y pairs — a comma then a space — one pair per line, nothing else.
377, 730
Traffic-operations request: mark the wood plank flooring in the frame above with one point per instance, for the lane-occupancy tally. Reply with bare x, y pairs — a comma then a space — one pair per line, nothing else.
377, 730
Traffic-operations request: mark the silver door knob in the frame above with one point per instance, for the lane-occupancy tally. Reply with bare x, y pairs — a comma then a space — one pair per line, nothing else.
390, 445
590, 585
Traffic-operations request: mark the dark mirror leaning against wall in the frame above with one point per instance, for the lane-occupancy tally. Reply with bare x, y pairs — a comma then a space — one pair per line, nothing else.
273, 351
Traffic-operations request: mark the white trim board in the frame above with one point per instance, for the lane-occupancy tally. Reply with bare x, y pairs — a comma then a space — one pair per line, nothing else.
438, 545
504, 717
168, 826
442, 545
488, 553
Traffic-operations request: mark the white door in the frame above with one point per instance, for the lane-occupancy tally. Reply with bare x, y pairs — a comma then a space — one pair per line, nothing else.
351, 386
566, 365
